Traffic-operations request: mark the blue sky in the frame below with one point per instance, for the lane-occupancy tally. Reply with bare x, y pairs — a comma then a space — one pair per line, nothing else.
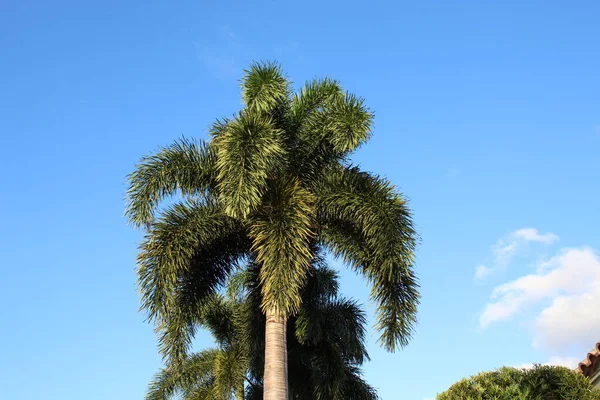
487, 117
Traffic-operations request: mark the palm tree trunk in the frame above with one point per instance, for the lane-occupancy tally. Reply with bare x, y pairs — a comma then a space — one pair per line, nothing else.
276, 374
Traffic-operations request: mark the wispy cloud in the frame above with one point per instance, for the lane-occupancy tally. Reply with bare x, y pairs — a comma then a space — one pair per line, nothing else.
507, 247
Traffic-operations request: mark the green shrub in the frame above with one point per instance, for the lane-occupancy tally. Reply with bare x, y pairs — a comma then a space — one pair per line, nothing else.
537, 383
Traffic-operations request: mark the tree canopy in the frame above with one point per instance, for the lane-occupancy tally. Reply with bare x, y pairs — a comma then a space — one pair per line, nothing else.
541, 382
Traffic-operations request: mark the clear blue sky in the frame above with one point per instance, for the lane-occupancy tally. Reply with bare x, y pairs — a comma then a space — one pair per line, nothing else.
487, 117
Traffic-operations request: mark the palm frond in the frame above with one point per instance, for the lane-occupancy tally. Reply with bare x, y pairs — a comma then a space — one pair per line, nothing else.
329, 134
322, 284
197, 304
186, 257
313, 97
249, 149
356, 388
171, 245
186, 166
370, 226
282, 244
230, 372
264, 87
196, 371
345, 122
345, 327
218, 317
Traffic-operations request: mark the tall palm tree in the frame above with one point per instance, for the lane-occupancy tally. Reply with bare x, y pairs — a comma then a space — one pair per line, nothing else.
273, 183
327, 340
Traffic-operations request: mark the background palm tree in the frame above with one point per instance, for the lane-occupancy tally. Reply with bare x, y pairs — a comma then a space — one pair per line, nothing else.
326, 341
273, 184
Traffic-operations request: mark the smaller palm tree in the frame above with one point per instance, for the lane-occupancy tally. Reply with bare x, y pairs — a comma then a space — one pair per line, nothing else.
326, 340
211, 374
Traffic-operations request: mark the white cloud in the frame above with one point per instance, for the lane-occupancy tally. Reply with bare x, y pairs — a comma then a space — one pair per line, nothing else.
506, 249
569, 362
532, 235
570, 319
562, 294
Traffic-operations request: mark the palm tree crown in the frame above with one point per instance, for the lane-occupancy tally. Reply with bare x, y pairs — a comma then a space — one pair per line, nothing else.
272, 186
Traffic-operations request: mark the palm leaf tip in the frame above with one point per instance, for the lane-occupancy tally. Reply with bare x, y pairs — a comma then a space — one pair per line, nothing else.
264, 87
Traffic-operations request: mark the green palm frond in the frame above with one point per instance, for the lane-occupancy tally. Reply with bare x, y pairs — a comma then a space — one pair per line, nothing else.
282, 244
323, 282
186, 257
194, 373
313, 97
170, 246
369, 225
356, 388
186, 166
345, 122
217, 315
264, 87
249, 149
230, 372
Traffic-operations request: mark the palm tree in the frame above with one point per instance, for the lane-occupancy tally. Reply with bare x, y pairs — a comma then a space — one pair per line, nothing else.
327, 340
273, 184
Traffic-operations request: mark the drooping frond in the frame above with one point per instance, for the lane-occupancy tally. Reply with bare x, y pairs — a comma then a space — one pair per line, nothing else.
339, 323
171, 245
186, 257
218, 317
253, 320
187, 166
327, 374
356, 388
230, 371
282, 244
346, 323
194, 373
264, 87
249, 149
175, 332
370, 226
322, 284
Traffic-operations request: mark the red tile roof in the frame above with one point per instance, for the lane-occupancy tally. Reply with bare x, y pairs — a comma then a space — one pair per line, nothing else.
586, 366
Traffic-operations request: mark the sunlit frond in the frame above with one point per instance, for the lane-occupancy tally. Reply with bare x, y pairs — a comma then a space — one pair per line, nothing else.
264, 87
249, 149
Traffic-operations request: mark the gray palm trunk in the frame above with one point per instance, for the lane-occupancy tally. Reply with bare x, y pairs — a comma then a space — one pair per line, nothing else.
276, 371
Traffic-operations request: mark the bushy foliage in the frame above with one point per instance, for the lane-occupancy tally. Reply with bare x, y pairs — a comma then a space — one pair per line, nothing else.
541, 382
